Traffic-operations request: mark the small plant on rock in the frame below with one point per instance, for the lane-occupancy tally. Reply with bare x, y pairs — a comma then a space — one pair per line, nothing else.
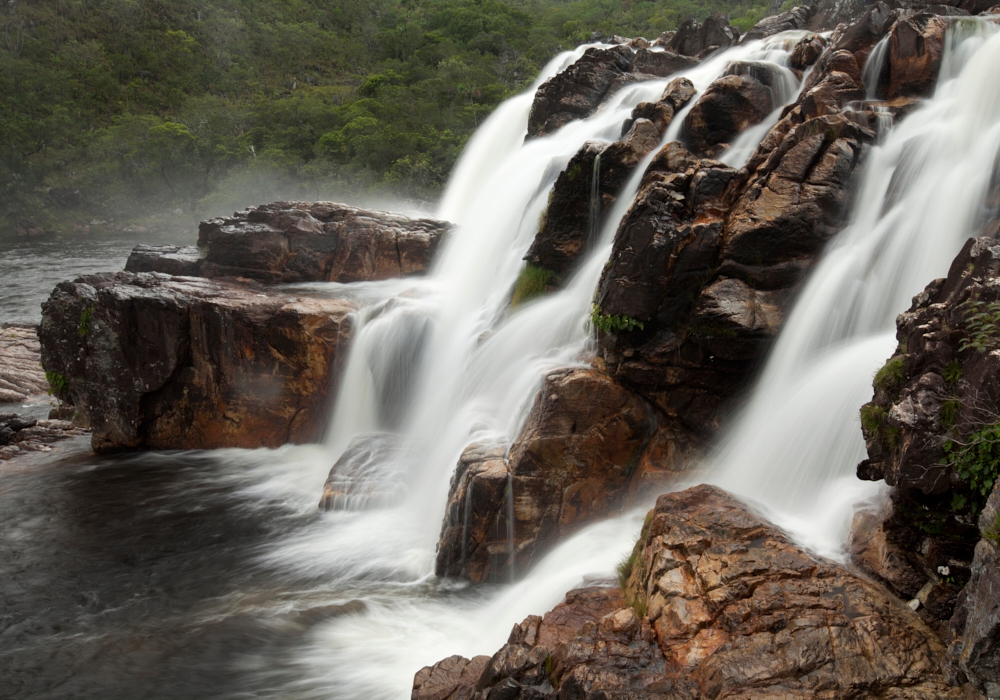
84, 327
952, 373
875, 421
982, 323
531, 284
976, 460
992, 531
606, 323
891, 377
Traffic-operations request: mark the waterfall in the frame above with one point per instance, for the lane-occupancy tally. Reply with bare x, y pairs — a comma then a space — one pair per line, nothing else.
872, 70
470, 375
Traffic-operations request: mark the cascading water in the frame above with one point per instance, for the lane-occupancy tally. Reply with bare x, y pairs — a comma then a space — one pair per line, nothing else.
474, 367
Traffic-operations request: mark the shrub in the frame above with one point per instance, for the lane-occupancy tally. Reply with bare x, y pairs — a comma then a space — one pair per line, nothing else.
976, 461
982, 323
605, 323
531, 284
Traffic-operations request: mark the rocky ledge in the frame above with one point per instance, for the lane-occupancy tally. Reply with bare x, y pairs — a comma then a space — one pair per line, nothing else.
166, 362
21, 373
287, 242
932, 431
715, 602
20, 435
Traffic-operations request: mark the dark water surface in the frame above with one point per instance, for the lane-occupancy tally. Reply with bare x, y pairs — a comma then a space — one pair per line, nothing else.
139, 577
30, 268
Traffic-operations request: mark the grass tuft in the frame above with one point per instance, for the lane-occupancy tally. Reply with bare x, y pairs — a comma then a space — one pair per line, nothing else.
531, 284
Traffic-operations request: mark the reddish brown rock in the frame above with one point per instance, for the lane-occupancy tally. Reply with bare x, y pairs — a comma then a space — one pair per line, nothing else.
916, 44
187, 363
796, 18
288, 242
719, 604
450, 679
571, 464
729, 105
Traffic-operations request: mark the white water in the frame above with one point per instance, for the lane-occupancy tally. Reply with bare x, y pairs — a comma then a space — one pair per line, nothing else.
794, 451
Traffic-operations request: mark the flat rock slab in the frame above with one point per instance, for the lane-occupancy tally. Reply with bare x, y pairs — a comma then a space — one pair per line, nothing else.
287, 242
164, 362
21, 373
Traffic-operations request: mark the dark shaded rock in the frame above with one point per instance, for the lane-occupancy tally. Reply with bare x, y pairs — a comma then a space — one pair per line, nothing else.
369, 474
693, 37
678, 93
21, 373
286, 242
570, 465
974, 654
719, 603
453, 678
577, 91
796, 18
168, 259
660, 63
20, 435
583, 193
188, 363
807, 51
729, 105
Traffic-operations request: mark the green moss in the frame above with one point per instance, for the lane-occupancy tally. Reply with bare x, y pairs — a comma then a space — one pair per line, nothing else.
952, 373
992, 531
949, 413
531, 284
84, 327
606, 323
573, 171
891, 377
58, 384
875, 421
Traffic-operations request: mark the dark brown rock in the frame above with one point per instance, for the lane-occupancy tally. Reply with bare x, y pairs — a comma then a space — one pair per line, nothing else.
185, 363
20, 436
288, 242
660, 63
693, 38
571, 464
367, 475
719, 604
169, 259
729, 105
916, 45
577, 91
453, 678
796, 18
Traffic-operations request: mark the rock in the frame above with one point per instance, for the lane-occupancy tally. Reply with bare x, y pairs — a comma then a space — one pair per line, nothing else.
916, 44
974, 654
577, 91
570, 465
678, 93
807, 51
660, 63
169, 259
450, 679
287, 242
573, 219
718, 603
21, 373
796, 18
186, 363
694, 38
729, 105
20, 435
369, 474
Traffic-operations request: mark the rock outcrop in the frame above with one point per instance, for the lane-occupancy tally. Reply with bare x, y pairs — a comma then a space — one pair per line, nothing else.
695, 38
928, 434
729, 106
796, 18
572, 464
20, 435
178, 363
21, 373
913, 55
287, 242
717, 604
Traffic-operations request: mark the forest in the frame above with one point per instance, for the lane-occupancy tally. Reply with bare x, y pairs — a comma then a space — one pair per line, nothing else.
158, 113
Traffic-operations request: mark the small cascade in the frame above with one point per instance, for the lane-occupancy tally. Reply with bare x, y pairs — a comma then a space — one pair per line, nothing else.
594, 209
511, 545
872, 71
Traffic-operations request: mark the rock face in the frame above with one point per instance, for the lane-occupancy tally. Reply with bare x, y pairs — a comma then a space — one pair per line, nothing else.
729, 105
913, 55
571, 464
288, 242
21, 373
20, 435
927, 432
974, 654
717, 604
695, 38
182, 363
796, 18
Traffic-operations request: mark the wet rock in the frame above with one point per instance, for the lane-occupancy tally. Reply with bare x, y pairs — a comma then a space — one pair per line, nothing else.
21, 373
20, 435
678, 93
571, 464
288, 242
660, 63
577, 91
719, 603
974, 654
693, 37
450, 679
916, 44
369, 474
807, 51
185, 363
729, 105
583, 193
168, 259
796, 18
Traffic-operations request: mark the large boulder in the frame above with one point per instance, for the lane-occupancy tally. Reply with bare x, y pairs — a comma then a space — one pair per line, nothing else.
695, 38
974, 654
913, 59
796, 18
184, 363
571, 464
287, 242
728, 107
717, 603
21, 374
577, 91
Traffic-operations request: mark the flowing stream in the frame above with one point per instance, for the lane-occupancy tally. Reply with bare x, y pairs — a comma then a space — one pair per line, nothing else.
442, 362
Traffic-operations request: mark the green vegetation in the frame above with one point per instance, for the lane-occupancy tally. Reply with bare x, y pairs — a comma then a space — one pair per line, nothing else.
875, 421
977, 462
950, 410
627, 565
531, 283
58, 384
606, 323
992, 532
85, 317
982, 323
116, 111
890, 377
952, 373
